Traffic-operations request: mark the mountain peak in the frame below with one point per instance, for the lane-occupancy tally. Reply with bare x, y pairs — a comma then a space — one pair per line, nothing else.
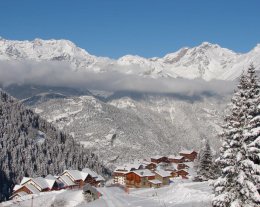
257, 47
207, 45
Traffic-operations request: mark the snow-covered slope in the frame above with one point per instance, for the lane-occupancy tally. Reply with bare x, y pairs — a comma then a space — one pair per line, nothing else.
207, 61
50, 50
124, 129
179, 194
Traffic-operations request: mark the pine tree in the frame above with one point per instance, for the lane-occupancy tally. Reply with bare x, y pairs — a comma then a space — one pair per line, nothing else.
236, 186
205, 164
250, 165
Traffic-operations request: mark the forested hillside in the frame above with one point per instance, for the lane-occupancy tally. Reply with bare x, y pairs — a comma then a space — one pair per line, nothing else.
30, 146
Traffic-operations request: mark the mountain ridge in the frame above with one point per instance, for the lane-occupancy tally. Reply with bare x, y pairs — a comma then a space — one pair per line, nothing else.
207, 61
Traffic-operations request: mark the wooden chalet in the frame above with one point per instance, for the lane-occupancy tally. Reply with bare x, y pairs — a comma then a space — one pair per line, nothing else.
22, 190
119, 174
182, 173
95, 179
176, 159
40, 183
159, 159
68, 179
155, 183
67, 183
163, 176
139, 178
78, 177
174, 173
33, 186
190, 155
181, 166
149, 165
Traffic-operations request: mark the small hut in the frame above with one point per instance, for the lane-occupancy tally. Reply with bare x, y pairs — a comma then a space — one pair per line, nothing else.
90, 190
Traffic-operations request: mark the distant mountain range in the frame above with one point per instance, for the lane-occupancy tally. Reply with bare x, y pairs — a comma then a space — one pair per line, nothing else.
207, 61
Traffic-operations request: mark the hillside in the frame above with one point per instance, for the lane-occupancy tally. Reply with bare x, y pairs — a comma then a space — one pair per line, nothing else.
125, 128
30, 146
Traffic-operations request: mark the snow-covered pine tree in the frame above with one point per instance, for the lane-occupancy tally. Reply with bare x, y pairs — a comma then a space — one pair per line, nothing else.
252, 132
236, 186
249, 176
205, 164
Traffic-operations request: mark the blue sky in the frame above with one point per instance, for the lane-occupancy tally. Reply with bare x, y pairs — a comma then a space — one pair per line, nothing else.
147, 28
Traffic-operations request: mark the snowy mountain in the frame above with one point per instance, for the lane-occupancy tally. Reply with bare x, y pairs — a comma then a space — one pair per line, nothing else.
207, 61
49, 50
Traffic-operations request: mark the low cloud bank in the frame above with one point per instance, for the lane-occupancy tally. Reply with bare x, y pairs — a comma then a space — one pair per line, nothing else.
60, 74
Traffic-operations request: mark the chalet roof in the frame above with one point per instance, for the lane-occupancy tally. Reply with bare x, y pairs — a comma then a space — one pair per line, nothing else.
66, 180
50, 177
50, 183
183, 164
33, 189
91, 172
186, 151
177, 157
16, 187
100, 178
182, 170
128, 167
121, 172
155, 181
41, 182
156, 157
145, 162
163, 173
144, 173
25, 179
77, 175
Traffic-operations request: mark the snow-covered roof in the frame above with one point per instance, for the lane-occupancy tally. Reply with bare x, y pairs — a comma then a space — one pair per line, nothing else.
50, 177
91, 172
177, 157
182, 170
25, 179
174, 165
77, 175
155, 181
16, 187
163, 173
50, 183
33, 189
157, 157
66, 180
128, 167
145, 162
100, 178
41, 182
187, 151
144, 173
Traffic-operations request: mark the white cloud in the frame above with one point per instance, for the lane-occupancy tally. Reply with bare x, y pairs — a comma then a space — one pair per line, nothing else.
60, 74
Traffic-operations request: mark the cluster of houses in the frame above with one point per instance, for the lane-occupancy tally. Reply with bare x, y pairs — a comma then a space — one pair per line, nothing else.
157, 172
69, 179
